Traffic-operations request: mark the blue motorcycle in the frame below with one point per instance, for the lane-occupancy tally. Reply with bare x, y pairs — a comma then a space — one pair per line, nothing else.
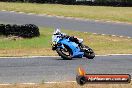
68, 49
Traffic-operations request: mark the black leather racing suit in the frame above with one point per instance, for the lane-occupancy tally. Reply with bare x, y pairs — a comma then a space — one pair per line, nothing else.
74, 39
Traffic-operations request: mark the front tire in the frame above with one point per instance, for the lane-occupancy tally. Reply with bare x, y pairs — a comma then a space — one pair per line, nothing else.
61, 53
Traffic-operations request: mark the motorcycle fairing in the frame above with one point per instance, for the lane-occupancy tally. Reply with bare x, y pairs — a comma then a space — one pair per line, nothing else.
74, 47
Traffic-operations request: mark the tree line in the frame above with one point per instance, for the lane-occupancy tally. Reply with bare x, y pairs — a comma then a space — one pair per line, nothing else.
84, 2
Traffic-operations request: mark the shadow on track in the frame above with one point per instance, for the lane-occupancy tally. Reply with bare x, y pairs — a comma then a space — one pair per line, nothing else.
70, 60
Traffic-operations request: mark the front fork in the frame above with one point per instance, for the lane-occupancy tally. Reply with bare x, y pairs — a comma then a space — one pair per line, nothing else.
55, 46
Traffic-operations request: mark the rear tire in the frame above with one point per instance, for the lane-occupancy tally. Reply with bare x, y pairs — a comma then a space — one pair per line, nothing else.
63, 55
89, 54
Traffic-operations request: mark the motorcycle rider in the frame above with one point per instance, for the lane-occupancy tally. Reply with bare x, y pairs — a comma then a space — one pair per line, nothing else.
71, 38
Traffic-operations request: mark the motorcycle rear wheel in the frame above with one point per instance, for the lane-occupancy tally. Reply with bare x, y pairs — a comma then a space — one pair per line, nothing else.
89, 55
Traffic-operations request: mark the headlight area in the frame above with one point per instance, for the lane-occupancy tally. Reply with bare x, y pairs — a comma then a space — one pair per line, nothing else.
54, 45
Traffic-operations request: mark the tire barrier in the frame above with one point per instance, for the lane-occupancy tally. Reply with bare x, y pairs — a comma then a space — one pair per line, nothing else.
80, 2
25, 31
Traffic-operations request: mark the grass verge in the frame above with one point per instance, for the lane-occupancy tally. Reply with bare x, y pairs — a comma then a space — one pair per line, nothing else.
11, 46
69, 85
123, 14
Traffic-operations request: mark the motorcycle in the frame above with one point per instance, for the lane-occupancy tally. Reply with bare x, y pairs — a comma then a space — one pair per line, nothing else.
68, 49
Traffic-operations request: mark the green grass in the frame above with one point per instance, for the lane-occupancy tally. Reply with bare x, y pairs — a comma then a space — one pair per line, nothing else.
37, 42
11, 46
123, 14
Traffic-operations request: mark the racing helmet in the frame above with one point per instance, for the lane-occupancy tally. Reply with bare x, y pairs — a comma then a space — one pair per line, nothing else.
57, 31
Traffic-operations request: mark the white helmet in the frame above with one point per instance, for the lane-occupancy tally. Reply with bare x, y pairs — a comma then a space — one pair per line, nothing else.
57, 31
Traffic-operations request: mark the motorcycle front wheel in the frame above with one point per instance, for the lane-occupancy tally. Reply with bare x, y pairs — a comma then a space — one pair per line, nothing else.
65, 53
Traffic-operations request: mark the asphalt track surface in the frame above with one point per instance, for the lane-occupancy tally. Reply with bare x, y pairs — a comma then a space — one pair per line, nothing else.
79, 25
54, 69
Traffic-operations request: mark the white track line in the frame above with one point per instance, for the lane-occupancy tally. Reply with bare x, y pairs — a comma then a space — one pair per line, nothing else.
12, 11
59, 56
31, 14
61, 82
114, 55
129, 37
121, 36
113, 35
95, 33
29, 56
103, 34
81, 19
40, 15
21, 12
6, 84
118, 54
3, 10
